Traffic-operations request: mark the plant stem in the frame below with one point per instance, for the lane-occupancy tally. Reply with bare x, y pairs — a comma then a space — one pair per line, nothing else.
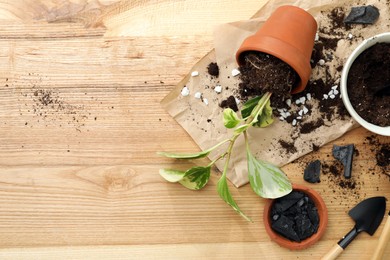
217, 145
218, 158
229, 152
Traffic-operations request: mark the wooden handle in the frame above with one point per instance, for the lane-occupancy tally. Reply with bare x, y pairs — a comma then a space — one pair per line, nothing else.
383, 241
333, 253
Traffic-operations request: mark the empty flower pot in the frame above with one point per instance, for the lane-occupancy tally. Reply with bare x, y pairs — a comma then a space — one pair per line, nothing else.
305, 243
365, 45
287, 34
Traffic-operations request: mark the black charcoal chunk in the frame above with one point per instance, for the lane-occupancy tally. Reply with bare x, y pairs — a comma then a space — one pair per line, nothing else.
304, 227
285, 227
290, 199
362, 15
299, 219
301, 202
314, 218
345, 155
312, 172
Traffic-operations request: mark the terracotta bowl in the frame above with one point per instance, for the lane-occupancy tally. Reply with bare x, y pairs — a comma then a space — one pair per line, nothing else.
381, 130
284, 242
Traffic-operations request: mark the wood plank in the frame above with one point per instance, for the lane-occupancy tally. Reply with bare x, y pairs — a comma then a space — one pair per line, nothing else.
79, 176
233, 250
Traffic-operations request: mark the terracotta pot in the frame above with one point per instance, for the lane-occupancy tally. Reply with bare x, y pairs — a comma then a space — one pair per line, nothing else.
288, 34
284, 242
381, 130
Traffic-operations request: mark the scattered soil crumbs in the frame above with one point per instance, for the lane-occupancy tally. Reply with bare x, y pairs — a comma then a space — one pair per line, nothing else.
383, 156
289, 147
367, 75
213, 69
308, 127
261, 73
332, 173
230, 102
46, 106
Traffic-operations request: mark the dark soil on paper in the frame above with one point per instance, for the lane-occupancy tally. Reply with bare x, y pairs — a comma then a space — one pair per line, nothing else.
261, 73
213, 69
288, 146
230, 102
368, 74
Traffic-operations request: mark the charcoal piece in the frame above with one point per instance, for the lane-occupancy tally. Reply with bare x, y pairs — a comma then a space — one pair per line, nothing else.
345, 155
287, 201
362, 15
312, 172
301, 202
314, 217
304, 227
299, 220
285, 227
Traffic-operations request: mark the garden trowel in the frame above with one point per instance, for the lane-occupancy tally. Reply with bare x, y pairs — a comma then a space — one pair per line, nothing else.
368, 215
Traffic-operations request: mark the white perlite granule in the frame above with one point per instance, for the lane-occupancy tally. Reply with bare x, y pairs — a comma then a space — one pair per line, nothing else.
218, 89
235, 72
185, 91
194, 73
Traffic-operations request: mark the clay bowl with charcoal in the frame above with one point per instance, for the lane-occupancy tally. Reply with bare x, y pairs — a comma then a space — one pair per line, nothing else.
297, 220
288, 34
365, 84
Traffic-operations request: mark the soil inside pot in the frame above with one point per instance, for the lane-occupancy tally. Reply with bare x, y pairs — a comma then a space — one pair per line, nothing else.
367, 75
295, 216
261, 73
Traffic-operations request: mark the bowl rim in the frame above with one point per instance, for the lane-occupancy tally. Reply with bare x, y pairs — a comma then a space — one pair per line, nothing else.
323, 215
367, 43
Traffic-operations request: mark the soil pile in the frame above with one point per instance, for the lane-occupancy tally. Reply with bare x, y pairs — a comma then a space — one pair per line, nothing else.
369, 74
261, 73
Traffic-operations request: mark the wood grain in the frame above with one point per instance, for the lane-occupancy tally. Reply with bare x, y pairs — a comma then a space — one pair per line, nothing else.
79, 175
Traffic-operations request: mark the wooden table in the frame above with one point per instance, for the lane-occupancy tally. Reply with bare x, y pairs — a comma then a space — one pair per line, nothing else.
80, 124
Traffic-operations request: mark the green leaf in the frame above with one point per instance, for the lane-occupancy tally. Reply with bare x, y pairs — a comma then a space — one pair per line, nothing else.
196, 177
267, 180
224, 193
248, 107
185, 155
230, 118
265, 117
172, 175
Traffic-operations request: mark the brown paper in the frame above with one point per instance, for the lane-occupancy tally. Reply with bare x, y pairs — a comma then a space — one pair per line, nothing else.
204, 121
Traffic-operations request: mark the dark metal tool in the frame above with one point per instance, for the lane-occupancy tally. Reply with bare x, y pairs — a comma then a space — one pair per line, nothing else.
367, 215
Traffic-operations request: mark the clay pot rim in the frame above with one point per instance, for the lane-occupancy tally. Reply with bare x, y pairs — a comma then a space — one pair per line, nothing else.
323, 215
383, 37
